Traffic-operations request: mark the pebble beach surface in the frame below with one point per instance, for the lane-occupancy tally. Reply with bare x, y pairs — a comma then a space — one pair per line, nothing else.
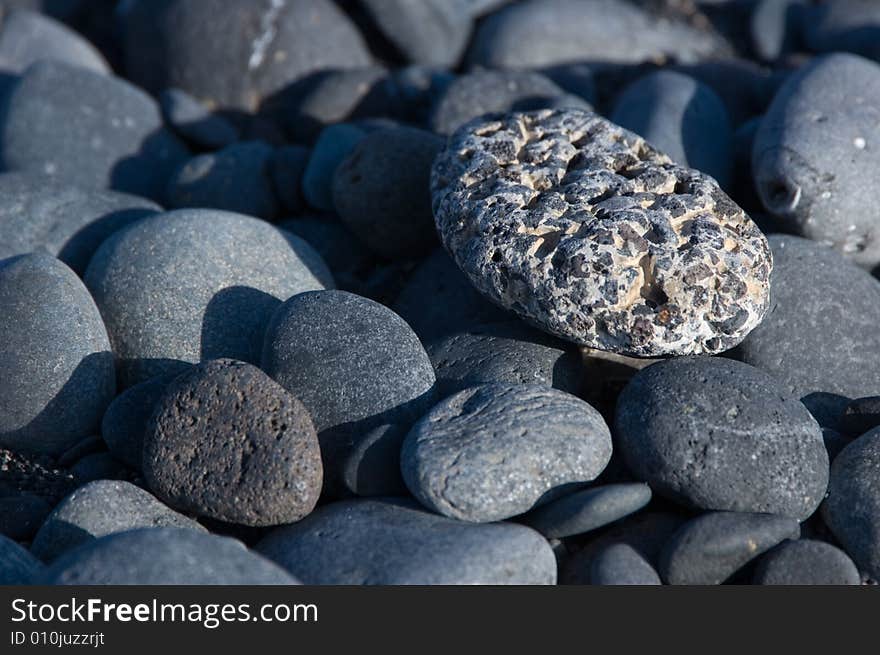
524, 292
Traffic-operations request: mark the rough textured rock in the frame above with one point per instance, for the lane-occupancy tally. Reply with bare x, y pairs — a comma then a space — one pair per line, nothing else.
712, 547
163, 556
38, 212
717, 434
587, 510
492, 452
57, 367
17, 566
195, 284
816, 151
229, 443
504, 352
393, 542
21, 515
621, 564
100, 508
194, 122
852, 509
819, 338
587, 231
806, 562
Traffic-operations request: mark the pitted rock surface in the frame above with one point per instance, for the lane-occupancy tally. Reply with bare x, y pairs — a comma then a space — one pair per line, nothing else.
585, 230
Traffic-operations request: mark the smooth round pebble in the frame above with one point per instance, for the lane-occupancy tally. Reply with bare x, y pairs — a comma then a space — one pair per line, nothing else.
17, 565
621, 564
21, 515
806, 562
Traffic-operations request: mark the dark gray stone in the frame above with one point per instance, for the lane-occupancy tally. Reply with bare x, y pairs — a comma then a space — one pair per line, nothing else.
100, 508
17, 566
844, 25
87, 129
588, 509
381, 191
393, 542
806, 562
229, 443
816, 151
819, 337
710, 548
504, 352
332, 147
195, 284
621, 564
860, 415
38, 212
717, 434
21, 515
57, 367
194, 122
852, 509
164, 556
236, 179
495, 451
287, 168
27, 37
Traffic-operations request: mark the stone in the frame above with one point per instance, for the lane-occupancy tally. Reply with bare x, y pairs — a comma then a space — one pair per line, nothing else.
195, 284
806, 562
394, 542
39, 213
482, 92
57, 364
381, 191
589, 509
163, 556
621, 564
87, 129
332, 147
229, 443
716, 434
194, 122
852, 509
17, 565
21, 515
709, 549
588, 232
860, 415
100, 508
844, 25
680, 117
287, 166
233, 53
815, 153
236, 179
819, 337
27, 37
494, 451
776, 27
510, 352
353, 363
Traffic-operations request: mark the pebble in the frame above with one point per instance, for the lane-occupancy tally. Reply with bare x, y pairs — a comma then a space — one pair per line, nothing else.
27, 37
681, 117
589, 509
852, 509
819, 338
57, 365
17, 565
88, 129
716, 434
510, 352
100, 508
806, 562
844, 25
202, 48
860, 415
494, 451
237, 178
206, 282
194, 122
40, 213
229, 443
816, 152
709, 549
21, 515
286, 168
516, 201
352, 362
393, 542
381, 191
621, 564
164, 556
776, 27
332, 147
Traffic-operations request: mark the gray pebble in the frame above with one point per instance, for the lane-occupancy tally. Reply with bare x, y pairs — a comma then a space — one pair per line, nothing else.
806, 562
194, 122
17, 565
717, 434
21, 515
710, 548
228, 443
333, 145
621, 564
27, 37
393, 542
492, 452
55, 356
100, 508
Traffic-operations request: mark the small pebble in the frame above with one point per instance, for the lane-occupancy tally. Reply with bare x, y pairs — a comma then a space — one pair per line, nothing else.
332, 147
621, 564
806, 562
